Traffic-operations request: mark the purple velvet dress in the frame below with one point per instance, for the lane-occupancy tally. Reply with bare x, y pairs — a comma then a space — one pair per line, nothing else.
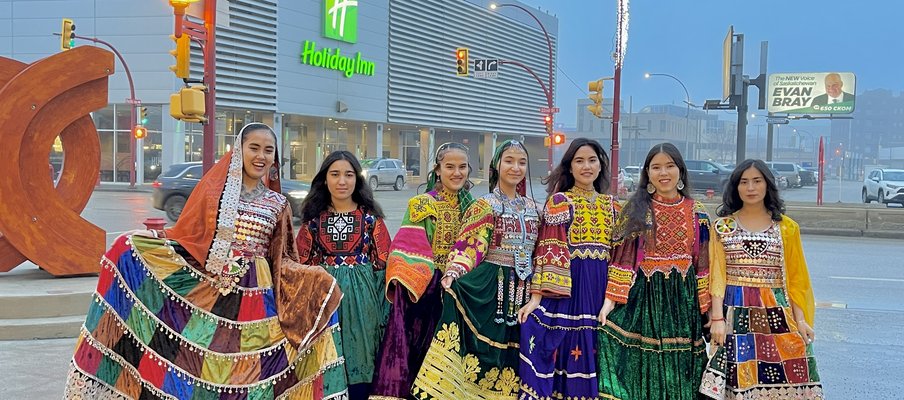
558, 340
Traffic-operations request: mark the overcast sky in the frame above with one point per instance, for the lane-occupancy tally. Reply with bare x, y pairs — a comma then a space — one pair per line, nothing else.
684, 38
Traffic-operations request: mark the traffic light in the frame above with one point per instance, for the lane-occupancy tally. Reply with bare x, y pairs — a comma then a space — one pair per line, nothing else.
461, 57
139, 132
182, 53
558, 138
188, 105
142, 115
67, 36
548, 121
596, 95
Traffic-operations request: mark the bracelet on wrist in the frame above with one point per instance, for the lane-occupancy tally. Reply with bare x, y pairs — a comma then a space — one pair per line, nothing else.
717, 319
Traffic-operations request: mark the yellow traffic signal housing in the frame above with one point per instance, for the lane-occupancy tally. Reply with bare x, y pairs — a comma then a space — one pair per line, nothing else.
67, 34
548, 122
188, 105
182, 53
142, 115
596, 95
461, 57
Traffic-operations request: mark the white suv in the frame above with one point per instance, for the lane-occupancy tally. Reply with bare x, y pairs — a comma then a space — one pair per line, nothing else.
884, 186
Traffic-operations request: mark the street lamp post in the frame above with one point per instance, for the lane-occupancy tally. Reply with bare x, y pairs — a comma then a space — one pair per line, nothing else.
687, 114
547, 90
800, 140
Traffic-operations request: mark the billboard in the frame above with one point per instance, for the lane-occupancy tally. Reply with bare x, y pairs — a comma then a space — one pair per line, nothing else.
812, 93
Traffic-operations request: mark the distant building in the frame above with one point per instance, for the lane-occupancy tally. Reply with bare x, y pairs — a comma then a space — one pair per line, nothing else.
699, 136
868, 138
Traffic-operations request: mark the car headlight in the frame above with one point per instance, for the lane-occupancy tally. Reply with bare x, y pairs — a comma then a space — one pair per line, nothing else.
890, 186
299, 194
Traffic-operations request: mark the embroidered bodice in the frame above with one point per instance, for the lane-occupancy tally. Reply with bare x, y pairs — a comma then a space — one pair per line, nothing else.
337, 239
590, 232
255, 223
448, 223
516, 223
674, 244
751, 258
577, 225
499, 230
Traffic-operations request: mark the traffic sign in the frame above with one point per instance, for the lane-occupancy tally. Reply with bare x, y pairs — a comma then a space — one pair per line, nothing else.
486, 68
547, 110
777, 120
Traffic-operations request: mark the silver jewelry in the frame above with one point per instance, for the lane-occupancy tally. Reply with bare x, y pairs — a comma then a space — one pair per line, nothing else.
680, 184
650, 188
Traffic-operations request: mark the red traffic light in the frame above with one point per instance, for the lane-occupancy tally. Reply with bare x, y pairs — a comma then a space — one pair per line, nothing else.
548, 118
558, 138
139, 132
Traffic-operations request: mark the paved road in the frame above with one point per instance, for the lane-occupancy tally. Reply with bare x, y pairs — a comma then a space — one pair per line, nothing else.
858, 284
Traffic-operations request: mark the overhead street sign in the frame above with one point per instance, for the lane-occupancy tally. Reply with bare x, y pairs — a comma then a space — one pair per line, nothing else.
547, 110
777, 121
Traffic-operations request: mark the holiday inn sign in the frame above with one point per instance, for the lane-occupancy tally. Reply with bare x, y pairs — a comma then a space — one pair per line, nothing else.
340, 22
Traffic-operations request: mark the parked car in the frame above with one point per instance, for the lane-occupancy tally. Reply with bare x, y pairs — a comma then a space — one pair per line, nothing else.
172, 189
633, 171
884, 186
626, 180
807, 177
780, 180
705, 175
383, 172
788, 170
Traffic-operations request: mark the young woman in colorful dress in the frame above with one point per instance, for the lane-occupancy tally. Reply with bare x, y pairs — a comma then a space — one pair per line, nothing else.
474, 352
762, 301
417, 262
218, 306
343, 231
558, 335
651, 342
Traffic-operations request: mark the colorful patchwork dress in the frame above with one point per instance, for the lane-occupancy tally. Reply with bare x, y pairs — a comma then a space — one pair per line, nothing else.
416, 264
163, 326
571, 261
353, 248
474, 353
759, 274
651, 347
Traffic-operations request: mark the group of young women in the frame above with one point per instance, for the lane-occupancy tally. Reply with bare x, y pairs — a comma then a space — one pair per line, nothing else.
486, 298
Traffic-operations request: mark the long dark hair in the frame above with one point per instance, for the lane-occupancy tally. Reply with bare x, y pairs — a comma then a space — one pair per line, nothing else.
731, 199
634, 218
319, 199
562, 177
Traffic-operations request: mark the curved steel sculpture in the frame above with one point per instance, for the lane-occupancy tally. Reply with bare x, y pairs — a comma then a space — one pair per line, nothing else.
38, 102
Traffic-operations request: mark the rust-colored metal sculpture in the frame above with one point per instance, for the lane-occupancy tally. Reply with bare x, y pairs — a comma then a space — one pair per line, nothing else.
38, 102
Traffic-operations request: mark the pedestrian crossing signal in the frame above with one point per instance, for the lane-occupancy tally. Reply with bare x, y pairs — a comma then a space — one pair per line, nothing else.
461, 57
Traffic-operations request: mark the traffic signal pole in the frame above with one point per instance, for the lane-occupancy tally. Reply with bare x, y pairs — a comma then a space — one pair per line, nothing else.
210, 75
547, 89
205, 35
133, 102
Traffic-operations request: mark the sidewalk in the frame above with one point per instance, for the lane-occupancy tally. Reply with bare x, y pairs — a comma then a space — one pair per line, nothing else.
123, 187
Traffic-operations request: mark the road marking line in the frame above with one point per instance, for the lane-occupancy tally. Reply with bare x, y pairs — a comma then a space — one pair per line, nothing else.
856, 278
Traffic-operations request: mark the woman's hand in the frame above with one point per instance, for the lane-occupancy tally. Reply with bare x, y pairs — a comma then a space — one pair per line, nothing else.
528, 308
447, 281
608, 305
806, 332
717, 331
